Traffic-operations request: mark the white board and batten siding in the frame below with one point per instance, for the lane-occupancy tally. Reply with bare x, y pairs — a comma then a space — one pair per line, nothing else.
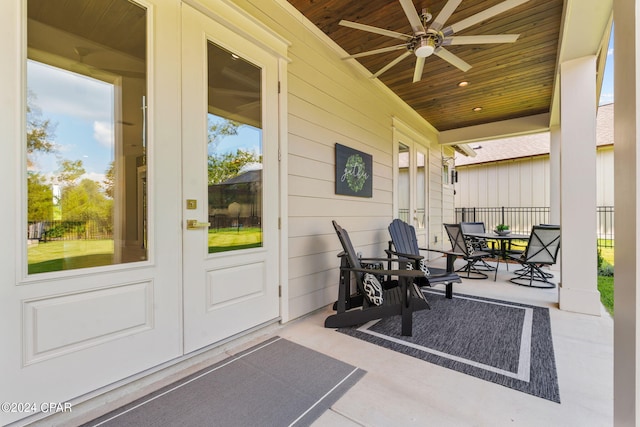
523, 182
513, 183
332, 101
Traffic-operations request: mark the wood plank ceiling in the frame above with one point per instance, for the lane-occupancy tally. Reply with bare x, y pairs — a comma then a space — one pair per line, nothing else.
507, 81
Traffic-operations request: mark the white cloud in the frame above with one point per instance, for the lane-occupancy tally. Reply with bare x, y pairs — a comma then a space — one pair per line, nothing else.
103, 133
606, 98
68, 93
94, 176
610, 52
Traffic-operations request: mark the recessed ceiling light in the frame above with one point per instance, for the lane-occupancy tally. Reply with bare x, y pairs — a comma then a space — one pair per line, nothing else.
234, 56
477, 109
463, 84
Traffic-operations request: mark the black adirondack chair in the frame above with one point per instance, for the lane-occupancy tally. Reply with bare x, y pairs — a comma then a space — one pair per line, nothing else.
404, 245
400, 297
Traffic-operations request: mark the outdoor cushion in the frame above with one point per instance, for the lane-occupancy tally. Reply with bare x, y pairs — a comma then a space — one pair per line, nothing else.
372, 289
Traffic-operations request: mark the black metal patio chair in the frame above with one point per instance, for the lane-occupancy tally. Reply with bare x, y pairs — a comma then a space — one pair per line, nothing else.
479, 243
542, 251
460, 248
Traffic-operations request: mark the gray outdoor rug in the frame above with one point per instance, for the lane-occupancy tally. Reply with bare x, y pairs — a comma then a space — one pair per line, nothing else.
503, 342
276, 383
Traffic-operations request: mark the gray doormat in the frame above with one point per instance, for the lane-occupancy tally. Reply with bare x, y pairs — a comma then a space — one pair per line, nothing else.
503, 342
276, 383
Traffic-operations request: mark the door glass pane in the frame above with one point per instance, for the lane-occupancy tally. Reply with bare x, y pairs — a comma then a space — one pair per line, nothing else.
234, 151
404, 186
86, 134
420, 218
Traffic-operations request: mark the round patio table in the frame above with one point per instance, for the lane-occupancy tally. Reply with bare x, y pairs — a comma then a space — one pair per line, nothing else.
504, 241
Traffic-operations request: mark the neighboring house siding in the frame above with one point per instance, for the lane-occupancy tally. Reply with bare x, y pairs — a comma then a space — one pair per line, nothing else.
523, 182
514, 172
604, 163
329, 101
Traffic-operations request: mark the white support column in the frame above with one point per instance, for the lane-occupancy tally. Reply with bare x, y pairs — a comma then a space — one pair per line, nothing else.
626, 336
579, 286
554, 185
554, 175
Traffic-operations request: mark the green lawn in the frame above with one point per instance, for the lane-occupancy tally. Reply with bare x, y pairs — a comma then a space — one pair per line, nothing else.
605, 286
607, 254
605, 283
228, 239
69, 255
73, 254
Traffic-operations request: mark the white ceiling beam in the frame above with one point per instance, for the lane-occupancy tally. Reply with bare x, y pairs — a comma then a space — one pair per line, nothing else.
495, 130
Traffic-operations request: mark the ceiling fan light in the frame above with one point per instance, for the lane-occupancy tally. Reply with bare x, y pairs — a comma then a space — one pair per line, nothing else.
425, 48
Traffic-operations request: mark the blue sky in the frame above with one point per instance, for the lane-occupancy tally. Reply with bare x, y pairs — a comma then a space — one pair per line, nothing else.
606, 95
81, 109
248, 139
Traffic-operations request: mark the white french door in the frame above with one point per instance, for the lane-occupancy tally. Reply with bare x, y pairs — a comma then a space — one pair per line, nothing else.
412, 184
89, 293
230, 217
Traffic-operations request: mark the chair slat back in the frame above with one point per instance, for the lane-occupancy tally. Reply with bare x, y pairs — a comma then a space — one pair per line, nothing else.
472, 227
544, 244
456, 237
345, 240
404, 237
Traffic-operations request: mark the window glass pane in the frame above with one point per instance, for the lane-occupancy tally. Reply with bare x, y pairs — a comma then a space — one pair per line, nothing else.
86, 141
421, 180
404, 186
234, 151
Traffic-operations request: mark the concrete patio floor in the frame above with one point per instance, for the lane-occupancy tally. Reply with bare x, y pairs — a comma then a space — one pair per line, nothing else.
400, 390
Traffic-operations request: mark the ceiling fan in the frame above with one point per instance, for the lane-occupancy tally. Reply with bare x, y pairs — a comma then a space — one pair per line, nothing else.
428, 40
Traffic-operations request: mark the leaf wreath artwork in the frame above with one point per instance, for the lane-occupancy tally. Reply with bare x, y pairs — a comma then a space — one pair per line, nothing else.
353, 172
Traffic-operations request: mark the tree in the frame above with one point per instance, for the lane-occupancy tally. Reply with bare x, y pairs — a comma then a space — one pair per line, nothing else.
85, 201
69, 171
40, 133
39, 198
39, 140
228, 165
109, 179
221, 128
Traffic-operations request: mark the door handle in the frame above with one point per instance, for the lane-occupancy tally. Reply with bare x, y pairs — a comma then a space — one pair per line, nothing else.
194, 224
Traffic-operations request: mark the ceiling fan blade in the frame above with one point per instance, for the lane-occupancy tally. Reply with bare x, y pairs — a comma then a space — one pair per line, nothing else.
444, 14
375, 30
373, 52
452, 59
480, 39
481, 16
417, 73
412, 16
392, 63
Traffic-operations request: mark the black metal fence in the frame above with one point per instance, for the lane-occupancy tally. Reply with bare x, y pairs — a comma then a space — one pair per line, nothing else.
69, 230
520, 220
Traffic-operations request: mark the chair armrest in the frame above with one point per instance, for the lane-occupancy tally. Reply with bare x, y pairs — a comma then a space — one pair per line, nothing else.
442, 252
401, 273
406, 256
451, 257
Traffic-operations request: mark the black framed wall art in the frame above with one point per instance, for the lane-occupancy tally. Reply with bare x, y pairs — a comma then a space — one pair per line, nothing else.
354, 175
